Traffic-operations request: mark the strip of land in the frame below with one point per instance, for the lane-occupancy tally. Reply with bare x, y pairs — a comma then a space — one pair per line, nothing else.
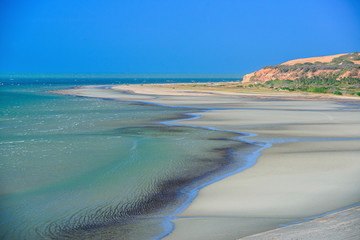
312, 167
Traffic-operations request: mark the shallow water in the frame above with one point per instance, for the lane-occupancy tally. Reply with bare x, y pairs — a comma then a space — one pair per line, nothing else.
87, 168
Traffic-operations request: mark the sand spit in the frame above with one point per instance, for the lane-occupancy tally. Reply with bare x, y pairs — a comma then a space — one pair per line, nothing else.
312, 167
212, 89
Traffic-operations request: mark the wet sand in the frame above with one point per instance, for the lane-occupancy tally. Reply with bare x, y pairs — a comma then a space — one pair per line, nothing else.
311, 168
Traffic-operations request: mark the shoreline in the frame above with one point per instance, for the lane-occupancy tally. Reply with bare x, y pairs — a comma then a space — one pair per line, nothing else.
251, 159
194, 187
181, 99
192, 194
196, 89
217, 88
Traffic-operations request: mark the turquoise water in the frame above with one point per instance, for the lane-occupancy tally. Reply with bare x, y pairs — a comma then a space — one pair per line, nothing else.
87, 168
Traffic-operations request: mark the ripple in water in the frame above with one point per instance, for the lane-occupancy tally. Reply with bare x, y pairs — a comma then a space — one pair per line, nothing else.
82, 168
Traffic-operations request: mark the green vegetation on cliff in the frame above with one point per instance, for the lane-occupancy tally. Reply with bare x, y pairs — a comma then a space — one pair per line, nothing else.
316, 84
337, 75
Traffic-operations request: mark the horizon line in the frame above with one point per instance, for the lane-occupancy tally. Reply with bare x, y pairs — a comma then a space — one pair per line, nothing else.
120, 75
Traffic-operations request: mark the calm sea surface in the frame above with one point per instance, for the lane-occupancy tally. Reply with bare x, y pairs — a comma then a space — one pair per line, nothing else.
87, 168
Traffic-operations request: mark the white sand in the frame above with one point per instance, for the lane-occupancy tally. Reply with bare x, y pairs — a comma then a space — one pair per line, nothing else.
289, 180
340, 225
215, 228
305, 173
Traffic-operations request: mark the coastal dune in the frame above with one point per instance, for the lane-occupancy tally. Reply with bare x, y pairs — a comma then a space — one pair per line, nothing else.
311, 168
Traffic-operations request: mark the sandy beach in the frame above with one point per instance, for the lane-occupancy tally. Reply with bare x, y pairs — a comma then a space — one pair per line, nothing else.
311, 168
339, 225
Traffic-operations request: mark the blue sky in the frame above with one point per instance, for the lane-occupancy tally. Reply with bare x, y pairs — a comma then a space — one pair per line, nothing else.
170, 36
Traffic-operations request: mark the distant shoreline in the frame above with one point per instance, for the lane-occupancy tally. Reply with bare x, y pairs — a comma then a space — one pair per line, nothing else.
229, 88
222, 88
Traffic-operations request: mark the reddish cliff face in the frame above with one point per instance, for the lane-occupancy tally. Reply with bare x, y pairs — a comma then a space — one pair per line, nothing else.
340, 65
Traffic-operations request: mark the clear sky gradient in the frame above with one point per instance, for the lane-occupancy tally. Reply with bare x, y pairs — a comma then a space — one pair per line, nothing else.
171, 36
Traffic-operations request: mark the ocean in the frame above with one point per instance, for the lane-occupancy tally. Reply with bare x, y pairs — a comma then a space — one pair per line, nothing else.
89, 168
